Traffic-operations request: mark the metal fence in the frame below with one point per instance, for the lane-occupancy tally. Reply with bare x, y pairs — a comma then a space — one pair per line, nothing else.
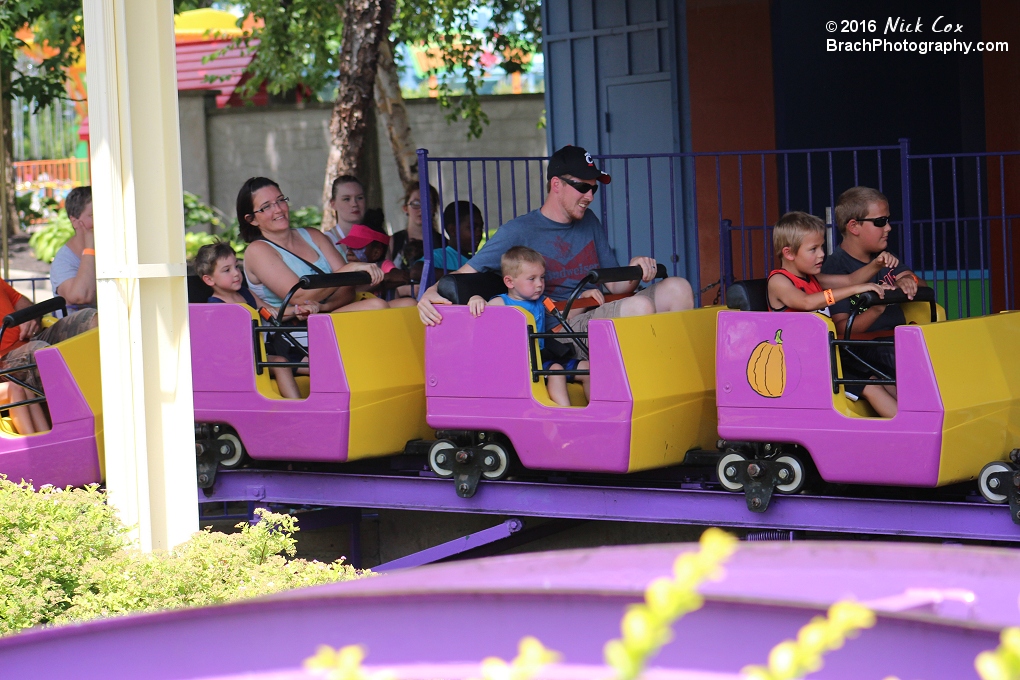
708, 216
48, 132
71, 171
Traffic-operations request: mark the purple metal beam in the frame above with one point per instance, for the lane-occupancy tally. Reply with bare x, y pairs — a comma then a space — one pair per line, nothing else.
972, 521
455, 547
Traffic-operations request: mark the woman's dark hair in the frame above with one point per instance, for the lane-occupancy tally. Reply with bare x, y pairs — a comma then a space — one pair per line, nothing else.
345, 179
245, 206
208, 255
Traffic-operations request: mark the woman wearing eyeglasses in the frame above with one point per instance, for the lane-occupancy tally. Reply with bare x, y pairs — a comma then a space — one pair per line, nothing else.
278, 255
406, 246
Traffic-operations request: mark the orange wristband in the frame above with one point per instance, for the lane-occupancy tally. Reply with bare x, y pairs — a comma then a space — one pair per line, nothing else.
911, 275
830, 299
88, 251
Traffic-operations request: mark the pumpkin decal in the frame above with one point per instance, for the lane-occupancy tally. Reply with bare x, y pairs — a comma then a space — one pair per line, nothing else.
766, 369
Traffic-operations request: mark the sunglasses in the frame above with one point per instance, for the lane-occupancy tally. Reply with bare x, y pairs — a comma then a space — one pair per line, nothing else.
581, 187
877, 221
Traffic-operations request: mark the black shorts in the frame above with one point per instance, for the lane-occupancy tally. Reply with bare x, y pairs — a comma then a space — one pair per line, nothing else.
882, 357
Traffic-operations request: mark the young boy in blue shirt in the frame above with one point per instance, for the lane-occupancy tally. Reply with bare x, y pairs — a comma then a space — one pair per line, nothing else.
523, 272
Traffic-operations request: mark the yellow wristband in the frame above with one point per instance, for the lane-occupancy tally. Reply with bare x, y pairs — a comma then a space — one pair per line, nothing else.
88, 251
830, 299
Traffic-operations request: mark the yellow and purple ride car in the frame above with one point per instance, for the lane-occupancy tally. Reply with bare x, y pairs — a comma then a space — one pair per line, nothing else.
784, 409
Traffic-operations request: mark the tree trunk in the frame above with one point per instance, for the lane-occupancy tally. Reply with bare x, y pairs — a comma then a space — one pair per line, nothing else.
366, 24
392, 113
7, 160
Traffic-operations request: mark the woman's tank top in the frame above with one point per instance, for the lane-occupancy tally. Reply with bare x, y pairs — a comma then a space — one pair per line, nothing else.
295, 264
809, 285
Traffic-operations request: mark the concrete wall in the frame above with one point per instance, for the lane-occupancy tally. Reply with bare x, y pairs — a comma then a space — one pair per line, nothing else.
289, 144
285, 143
194, 149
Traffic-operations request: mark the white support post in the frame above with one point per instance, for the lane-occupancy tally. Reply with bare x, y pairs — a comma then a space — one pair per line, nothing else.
140, 268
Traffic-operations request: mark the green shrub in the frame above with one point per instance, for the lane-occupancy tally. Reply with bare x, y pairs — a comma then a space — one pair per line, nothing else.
309, 217
46, 539
64, 556
198, 214
48, 240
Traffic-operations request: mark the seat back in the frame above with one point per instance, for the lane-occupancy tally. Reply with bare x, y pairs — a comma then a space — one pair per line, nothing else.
459, 288
748, 296
199, 292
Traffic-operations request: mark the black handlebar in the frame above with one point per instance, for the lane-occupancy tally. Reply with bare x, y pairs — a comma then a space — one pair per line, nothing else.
33, 312
314, 281
338, 280
615, 274
610, 275
868, 299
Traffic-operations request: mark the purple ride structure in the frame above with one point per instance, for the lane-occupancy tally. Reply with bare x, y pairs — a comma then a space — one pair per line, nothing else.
937, 608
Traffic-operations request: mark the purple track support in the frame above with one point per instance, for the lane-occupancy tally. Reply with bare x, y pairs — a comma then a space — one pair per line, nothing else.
455, 547
951, 520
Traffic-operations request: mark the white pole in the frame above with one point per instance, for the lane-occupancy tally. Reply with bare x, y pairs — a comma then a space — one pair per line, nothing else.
140, 269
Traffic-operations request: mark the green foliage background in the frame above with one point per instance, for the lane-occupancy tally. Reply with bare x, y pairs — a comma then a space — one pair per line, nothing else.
301, 40
47, 241
64, 556
58, 23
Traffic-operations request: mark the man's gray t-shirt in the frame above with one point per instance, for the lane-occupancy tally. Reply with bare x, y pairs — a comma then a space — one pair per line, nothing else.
64, 268
570, 250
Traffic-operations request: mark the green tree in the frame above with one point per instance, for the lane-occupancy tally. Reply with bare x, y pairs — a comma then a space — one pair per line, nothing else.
55, 24
304, 44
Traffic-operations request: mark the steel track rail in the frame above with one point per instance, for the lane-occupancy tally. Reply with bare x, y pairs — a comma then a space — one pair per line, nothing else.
933, 519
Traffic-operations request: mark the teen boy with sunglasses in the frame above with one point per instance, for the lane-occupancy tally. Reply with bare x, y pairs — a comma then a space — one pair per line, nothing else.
572, 240
862, 217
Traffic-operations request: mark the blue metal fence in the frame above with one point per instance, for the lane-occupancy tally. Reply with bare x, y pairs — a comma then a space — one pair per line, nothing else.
708, 216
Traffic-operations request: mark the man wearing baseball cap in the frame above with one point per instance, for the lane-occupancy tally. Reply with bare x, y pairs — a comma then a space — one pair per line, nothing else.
572, 240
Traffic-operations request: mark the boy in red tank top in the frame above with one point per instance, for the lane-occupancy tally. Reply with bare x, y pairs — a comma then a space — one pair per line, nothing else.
799, 285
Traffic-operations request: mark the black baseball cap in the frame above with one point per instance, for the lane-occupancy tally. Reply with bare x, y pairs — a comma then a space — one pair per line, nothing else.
573, 160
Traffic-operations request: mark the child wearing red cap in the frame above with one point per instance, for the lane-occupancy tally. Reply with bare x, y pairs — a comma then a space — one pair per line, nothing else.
366, 244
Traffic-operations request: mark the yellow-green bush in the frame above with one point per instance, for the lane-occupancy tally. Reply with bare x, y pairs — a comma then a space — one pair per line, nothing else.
64, 556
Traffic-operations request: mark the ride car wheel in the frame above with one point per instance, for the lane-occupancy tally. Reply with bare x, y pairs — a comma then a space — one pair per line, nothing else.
730, 461
438, 460
239, 458
799, 477
986, 483
502, 460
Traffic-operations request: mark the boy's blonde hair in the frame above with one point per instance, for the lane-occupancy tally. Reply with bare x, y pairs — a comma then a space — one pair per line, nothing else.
853, 205
514, 259
791, 229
